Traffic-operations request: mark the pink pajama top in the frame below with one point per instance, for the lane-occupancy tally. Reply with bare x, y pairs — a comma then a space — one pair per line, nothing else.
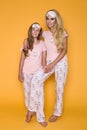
52, 52
33, 62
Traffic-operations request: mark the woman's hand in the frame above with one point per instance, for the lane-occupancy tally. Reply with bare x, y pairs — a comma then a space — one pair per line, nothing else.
49, 67
20, 77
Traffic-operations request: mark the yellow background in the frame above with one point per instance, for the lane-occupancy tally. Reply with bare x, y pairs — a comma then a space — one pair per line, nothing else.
15, 18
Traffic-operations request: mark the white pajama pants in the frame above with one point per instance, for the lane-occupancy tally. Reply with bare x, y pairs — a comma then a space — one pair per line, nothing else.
33, 97
37, 84
27, 88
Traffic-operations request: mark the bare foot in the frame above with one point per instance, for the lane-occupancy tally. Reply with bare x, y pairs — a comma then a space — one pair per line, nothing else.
53, 118
44, 124
29, 116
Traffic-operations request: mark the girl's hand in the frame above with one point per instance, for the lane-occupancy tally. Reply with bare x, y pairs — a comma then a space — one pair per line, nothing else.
44, 68
20, 77
49, 67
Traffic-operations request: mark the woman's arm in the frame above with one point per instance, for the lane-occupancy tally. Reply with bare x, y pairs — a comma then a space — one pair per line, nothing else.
44, 55
60, 56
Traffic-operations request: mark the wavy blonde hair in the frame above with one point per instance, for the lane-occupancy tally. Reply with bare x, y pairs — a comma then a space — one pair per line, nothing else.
58, 30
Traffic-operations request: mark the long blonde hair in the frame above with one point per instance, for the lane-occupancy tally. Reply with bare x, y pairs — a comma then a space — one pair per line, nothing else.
58, 30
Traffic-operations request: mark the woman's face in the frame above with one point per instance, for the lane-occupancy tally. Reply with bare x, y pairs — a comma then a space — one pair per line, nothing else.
50, 21
35, 32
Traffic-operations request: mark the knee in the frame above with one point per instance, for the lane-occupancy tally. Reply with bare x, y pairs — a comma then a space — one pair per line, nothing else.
36, 81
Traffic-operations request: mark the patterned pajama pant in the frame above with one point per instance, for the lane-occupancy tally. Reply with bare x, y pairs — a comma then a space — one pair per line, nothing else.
27, 88
36, 101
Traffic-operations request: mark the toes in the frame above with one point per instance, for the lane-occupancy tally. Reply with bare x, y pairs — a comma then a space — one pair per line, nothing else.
53, 118
44, 124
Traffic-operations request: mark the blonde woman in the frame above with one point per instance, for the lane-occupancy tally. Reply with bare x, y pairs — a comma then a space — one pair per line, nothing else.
56, 39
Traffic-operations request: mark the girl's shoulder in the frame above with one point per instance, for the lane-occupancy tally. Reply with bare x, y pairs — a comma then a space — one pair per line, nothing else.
41, 42
42, 45
25, 43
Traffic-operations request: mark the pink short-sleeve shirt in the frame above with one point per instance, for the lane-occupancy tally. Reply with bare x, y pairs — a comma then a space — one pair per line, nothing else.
33, 61
52, 52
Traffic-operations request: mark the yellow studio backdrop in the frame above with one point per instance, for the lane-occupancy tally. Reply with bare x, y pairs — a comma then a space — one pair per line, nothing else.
15, 18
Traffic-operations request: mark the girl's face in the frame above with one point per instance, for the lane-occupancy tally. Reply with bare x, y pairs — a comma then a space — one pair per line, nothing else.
50, 21
35, 32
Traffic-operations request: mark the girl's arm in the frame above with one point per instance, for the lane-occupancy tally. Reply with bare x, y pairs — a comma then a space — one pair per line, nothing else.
20, 75
60, 56
21, 63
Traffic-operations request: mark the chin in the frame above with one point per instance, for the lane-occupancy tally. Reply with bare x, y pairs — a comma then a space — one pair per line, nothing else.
35, 36
50, 26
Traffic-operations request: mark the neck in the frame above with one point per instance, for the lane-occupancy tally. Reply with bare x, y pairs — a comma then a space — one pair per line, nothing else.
36, 41
51, 30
